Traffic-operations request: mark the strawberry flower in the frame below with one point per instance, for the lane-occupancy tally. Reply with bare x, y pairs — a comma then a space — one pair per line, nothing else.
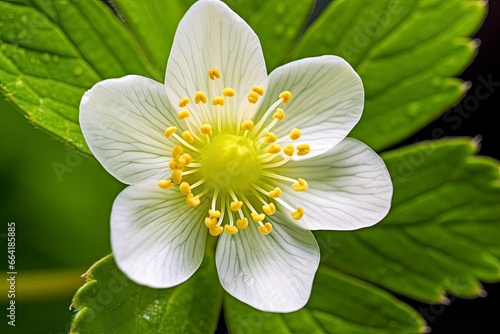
223, 150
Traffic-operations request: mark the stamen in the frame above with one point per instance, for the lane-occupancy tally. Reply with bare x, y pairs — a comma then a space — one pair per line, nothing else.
266, 228
284, 204
177, 151
277, 176
301, 185
303, 149
165, 184
215, 231
279, 114
276, 164
185, 159
253, 97
274, 149
230, 229
200, 97
183, 114
288, 150
214, 213
192, 200
170, 131
206, 129
228, 91
185, 188
174, 164
242, 223
295, 134
192, 171
210, 222
285, 96
270, 137
187, 136
218, 100
258, 89
235, 206
275, 193
257, 217
184, 102
185, 143
177, 176
269, 209
247, 126
298, 214
213, 73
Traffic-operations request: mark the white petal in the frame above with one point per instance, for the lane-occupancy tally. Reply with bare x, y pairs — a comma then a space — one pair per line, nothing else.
123, 121
327, 101
157, 240
271, 273
212, 36
349, 188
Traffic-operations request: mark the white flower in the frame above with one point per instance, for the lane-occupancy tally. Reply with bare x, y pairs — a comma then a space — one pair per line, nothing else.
222, 147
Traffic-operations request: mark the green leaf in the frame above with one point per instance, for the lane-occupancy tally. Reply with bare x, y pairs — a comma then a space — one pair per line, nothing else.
51, 52
288, 17
339, 304
110, 303
153, 23
442, 232
406, 52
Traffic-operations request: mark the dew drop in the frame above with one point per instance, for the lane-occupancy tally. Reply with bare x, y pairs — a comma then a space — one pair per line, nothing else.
78, 70
46, 57
55, 58
19, 82
248, 280
413, 109
280, 8
279, 29
23, 19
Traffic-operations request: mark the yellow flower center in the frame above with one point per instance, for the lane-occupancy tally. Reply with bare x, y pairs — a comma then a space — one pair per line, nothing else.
230, 162
226, 161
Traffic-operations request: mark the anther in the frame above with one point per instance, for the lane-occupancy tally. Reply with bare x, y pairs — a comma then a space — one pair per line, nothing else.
183, 114
187, 136
216, 230
247, 126
235, 206
210, 222
298, 214
165, 184
266, 228
206, 129
242, 223
192, 200
295, 134
288, 150
176, 151
259, 90
213, 73
285, 96
177, 176
170, 131
279, 114
218, 100
184, 102
269, 209
185, 188
174, 164
274, 149
200, 97
230, 229
228, 91
301, 185
185, 159
253, 97
214, 213
275, 193
258, 217
270, 137
303, 149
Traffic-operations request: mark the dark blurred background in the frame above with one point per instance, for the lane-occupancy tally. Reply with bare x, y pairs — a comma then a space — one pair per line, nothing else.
52, 193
